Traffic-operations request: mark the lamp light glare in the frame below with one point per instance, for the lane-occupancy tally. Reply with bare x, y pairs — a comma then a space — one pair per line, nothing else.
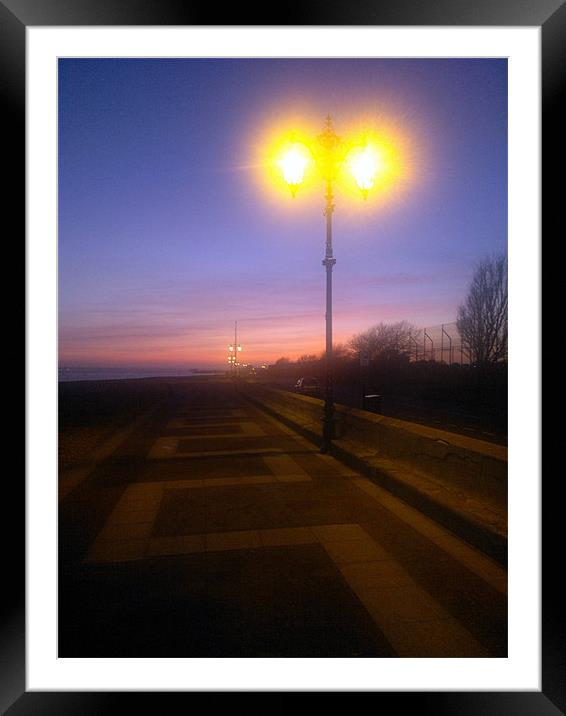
293, 164
364, 163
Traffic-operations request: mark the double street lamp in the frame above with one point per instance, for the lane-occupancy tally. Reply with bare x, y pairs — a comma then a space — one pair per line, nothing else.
332, 156
233, 350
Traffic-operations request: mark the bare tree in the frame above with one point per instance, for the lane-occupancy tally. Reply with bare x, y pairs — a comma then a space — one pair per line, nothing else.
482, 318
390, 341
340, 351
307, 359
282, 365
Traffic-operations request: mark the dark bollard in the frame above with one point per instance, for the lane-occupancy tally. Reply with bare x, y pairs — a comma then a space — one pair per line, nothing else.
372, 403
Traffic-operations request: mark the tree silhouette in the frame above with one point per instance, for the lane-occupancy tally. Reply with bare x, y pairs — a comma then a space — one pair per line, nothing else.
387, 341
482, 318
307, 359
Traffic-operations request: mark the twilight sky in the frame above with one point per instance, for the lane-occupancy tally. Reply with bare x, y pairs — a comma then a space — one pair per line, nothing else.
169, 229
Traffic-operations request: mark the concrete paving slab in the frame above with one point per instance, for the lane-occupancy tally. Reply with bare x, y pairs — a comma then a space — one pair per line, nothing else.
367, 576
440, 638
287, 536
116, 550
256, 545
178, 544
219, 541
339, 533
354, 551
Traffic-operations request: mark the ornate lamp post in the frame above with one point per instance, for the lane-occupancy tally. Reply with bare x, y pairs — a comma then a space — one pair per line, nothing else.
329, 153
329, 142
234, 349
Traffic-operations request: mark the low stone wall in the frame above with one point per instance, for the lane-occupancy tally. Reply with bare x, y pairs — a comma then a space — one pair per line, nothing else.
476, 467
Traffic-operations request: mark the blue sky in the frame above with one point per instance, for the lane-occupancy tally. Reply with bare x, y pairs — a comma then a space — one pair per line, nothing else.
167, 234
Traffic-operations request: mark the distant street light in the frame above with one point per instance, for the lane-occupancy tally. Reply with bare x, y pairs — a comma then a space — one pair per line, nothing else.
330, 154
234, 349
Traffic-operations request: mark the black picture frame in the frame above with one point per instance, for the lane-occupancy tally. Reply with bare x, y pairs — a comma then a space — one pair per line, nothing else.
15, 17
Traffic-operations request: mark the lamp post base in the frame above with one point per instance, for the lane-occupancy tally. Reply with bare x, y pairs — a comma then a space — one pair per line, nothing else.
327, 428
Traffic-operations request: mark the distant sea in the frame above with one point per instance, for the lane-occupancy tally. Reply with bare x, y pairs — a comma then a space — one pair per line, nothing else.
93, 373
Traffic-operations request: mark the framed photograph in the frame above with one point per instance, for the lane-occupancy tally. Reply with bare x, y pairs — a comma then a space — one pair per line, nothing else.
246, 471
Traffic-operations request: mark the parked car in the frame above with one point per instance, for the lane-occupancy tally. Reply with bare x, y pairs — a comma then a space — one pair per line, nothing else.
309, 386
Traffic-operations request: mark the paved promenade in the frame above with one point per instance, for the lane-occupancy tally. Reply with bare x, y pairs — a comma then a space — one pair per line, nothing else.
209, 529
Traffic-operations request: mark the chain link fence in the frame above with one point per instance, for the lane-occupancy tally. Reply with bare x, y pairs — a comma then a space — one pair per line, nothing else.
441, 343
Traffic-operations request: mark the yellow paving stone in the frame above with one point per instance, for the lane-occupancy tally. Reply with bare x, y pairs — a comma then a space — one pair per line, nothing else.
121, 550
69, 479
292, 478
477, 562
400, 604
222, 481
500, 585
257, 479
287, 536
163, 448
145, 491
185, 484
442, 638
224, 453
382, 573
202, 423
143, 488
138, 503
182, 544
144, 498
251, 429
121, 530
135, 501
72, 477
219, 482
127, 516
179, 484
284, 465
176, 423
224, 413
351, 551
218, 541
210, 436
288, 431
340, 533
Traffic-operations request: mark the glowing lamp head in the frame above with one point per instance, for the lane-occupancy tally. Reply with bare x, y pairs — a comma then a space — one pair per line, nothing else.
364, 163
293, 164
